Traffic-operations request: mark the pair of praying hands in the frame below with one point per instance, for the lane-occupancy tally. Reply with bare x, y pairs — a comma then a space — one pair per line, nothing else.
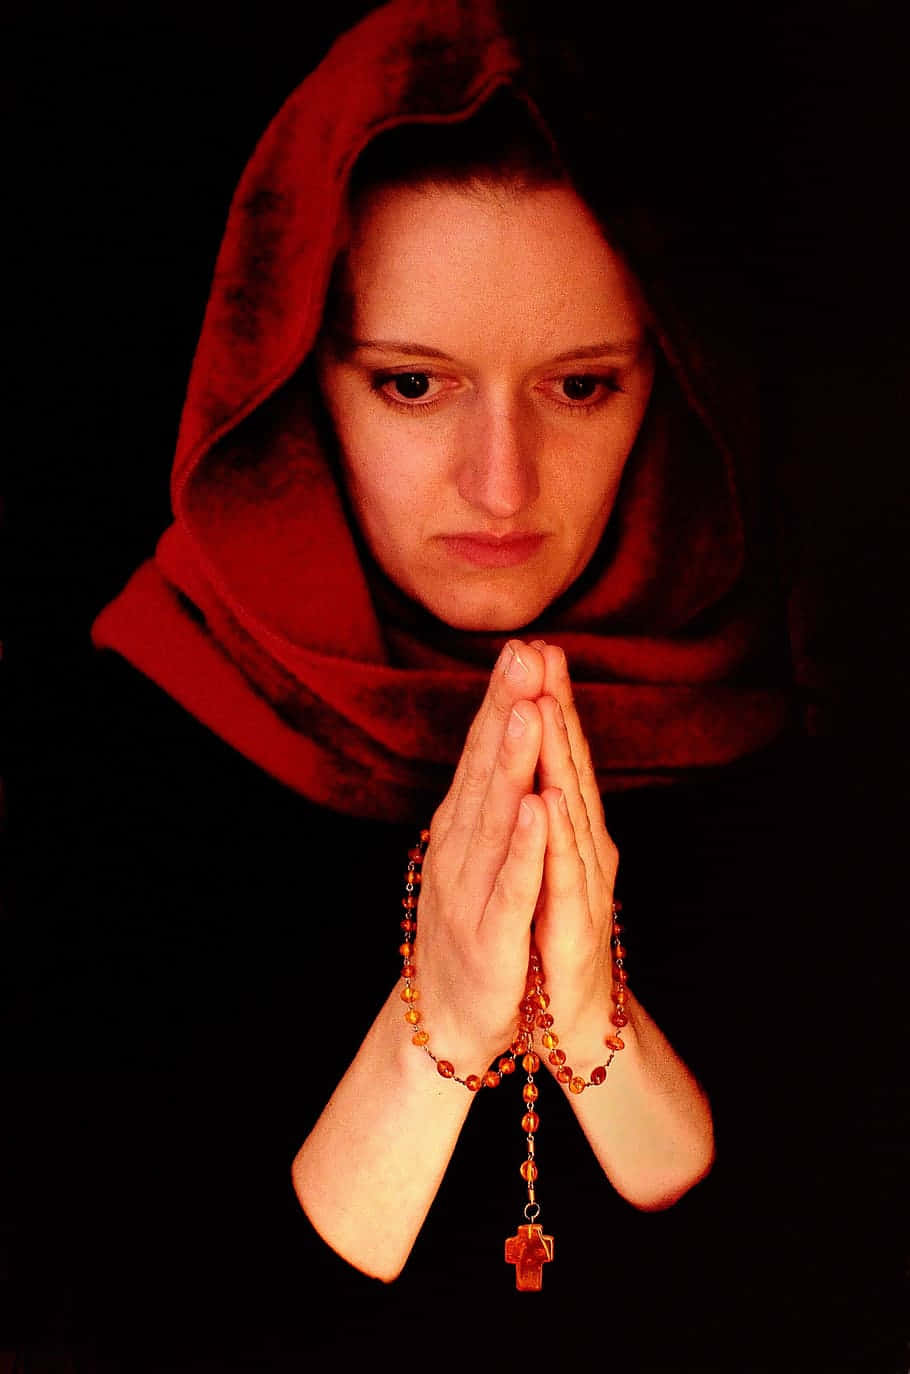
519, 838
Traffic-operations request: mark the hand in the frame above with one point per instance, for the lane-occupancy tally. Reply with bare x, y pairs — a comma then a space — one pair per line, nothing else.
574, 921
483, 871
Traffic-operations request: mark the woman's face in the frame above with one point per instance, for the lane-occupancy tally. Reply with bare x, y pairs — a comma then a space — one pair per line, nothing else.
486, 390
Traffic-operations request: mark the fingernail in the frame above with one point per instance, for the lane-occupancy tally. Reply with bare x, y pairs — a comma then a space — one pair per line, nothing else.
517, 723
538, 644
525, 814
563, 804
515, 668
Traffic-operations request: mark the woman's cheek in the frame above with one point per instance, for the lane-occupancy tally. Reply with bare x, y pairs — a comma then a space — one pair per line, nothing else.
387, 501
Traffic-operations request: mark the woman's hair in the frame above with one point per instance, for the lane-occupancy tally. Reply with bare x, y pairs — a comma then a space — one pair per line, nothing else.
502, 145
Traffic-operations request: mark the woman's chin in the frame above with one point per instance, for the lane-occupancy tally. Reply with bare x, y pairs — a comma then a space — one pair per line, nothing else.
485, 615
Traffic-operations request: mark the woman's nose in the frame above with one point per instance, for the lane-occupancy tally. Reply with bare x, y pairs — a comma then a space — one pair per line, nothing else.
498, 462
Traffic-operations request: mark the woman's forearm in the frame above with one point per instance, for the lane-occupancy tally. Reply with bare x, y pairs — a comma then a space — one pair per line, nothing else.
369, 1170
650, 1123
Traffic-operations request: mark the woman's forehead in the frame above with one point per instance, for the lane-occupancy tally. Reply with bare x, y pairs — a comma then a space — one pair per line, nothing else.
427, 264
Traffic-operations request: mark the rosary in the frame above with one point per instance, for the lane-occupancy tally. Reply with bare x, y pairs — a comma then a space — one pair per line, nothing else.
529, 1249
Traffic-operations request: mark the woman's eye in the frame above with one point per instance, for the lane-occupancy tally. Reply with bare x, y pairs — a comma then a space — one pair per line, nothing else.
579, 388
585, 388
412, 385
407, 388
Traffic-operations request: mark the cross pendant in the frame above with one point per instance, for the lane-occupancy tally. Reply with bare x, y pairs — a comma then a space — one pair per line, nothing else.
529, 1250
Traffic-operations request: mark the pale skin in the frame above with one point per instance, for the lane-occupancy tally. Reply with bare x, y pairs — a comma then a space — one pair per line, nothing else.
531, 419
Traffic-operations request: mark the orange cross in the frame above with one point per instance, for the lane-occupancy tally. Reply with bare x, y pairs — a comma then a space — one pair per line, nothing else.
529, 1250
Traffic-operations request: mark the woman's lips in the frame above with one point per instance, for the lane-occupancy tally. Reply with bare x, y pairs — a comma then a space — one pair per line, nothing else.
491, 550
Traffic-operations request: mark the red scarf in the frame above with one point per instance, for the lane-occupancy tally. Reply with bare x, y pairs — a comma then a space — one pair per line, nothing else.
259, 612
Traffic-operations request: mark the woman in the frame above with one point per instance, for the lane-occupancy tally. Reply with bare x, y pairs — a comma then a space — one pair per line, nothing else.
493, 378
446, 410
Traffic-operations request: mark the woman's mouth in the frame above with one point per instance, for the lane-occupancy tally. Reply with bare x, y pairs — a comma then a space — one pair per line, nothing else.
492, 550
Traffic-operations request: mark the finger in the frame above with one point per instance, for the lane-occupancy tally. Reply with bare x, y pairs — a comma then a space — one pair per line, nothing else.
510, 909
512, 777
557, 770
518, 674
558, 684
565, 910
571, 933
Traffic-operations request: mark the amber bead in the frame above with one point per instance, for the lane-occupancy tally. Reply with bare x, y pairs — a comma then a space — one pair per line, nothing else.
520, 1044
620, 975
564, 1074
409, 994
528, 1171
545, 1021
576, 1085
619, 995
412, 1016
598, 1075
407, 924
530, 1063
530, 1092
556, 1057
421, 1038
550, 1039
615, 1042
409, 971
491, 1079
506, 1064
529, 1122
543, 1001
619, 1019
425, 839
409, 902
404, 951
472, 1082
445, 1069
412, 876
619, 952
415, 854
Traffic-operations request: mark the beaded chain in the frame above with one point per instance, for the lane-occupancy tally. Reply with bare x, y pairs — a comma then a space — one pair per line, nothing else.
529, 1249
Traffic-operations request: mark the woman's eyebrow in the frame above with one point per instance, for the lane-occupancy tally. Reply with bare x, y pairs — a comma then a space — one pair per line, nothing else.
350, 345
619, 348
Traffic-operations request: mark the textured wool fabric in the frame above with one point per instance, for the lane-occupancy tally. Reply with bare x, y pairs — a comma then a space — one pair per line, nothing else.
261, 614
